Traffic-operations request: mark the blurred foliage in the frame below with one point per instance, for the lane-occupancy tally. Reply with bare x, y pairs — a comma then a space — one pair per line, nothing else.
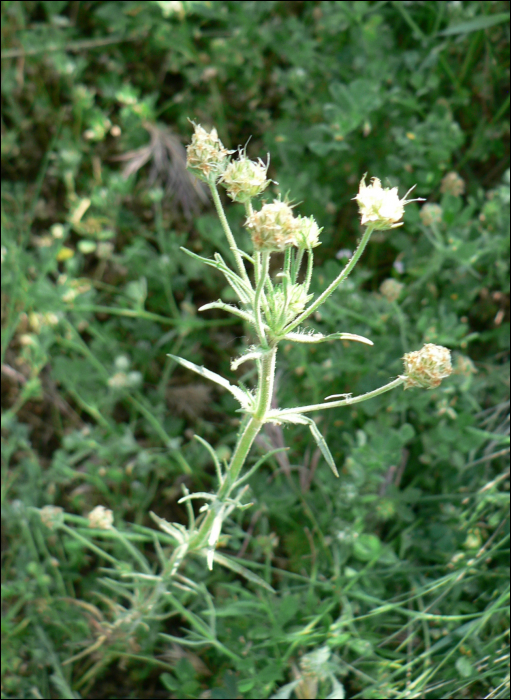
389, 582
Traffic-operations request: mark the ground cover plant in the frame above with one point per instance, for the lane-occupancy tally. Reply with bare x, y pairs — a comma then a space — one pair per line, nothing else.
390, 580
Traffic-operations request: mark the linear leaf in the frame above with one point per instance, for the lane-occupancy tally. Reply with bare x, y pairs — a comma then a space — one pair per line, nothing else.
320, 338
230, 309
320, 440
238, 394
321, 443
233, 565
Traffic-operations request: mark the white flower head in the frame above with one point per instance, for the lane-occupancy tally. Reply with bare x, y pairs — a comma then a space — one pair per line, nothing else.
273, 227
206, 156
307, 232
101, 518
381, 207
427, 367
245, 179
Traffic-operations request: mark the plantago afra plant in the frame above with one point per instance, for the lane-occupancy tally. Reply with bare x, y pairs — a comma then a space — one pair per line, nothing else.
276, 309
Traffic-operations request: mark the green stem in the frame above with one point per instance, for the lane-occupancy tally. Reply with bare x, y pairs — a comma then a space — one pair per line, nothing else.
262, 267
228, 233
337, 281
297, 264
310, 265
348, 401
249, 431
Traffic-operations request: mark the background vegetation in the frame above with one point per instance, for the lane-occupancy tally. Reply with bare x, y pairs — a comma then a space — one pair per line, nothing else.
391, 582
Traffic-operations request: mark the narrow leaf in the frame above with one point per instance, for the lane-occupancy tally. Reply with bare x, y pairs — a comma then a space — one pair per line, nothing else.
230, 309
233, 279
238, 394
304, 420
254, 355
321, 443
235, 566
320, 338
476, 24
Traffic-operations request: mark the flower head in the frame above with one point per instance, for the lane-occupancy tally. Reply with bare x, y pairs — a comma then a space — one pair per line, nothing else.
207, 157
307, 233
453, 184
427, 367
245, 179
101, 518
431, 214
380, 207
52, 516
273, 227
391, 289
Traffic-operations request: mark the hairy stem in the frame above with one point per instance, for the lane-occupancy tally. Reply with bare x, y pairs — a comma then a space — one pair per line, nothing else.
227, 230
343, 402
250, 427
331, 287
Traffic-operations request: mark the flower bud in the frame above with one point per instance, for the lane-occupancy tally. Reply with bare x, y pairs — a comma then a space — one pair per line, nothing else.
297, 298
391, 289
380, 207
307, 233
245, 179
273, 227
206, 157
427, 367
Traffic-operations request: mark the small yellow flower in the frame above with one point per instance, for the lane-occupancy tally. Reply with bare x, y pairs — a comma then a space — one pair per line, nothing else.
65, 254
380, 207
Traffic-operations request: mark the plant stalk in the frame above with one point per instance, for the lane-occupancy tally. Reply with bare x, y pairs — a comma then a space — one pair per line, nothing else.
331, 287
249, 431
230, 238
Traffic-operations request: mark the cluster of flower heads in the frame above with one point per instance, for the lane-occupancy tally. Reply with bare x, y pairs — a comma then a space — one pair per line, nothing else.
274, 227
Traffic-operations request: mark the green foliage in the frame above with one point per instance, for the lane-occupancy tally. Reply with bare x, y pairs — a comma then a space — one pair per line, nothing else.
391, 581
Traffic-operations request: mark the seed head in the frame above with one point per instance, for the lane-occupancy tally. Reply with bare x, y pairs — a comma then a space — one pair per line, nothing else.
307, 233
273, 227
206, 156
427, 367
245, 179
380, 207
